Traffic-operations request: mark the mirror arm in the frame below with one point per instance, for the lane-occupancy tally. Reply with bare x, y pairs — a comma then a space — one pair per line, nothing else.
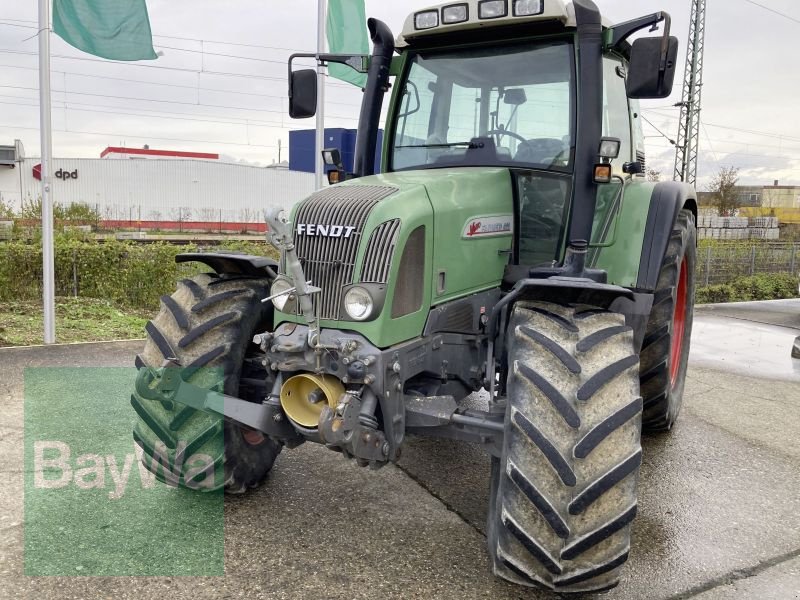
621, 32
357, 62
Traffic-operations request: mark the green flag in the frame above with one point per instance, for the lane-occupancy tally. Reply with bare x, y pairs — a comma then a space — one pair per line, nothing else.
347, 34
113, 29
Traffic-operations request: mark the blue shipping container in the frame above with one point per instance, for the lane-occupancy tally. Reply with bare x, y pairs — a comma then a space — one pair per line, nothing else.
301, 148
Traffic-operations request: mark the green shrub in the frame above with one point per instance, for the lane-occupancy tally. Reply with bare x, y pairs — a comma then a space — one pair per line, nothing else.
714, 294
126, 273
6, 210
764, 286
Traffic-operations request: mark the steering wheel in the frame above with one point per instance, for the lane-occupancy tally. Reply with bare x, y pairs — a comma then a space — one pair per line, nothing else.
501, 132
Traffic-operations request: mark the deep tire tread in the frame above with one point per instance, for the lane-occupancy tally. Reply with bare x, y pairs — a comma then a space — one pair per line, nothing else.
206, 327
555, 318
163, 434
564, 489
160, 341
600, 534
555, 397
550, 452
592, 573
177, 312
211, 345
597, 338
565, 357
532, 546
600, 432
600, 486
204, 305
604, 377
544, 506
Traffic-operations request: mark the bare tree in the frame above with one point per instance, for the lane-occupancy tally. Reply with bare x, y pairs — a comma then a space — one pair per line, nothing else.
247, 215
180, 213
723, 191
653, 175
207, 214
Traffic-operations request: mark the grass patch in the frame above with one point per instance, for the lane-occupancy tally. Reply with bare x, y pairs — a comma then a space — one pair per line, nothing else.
77, 320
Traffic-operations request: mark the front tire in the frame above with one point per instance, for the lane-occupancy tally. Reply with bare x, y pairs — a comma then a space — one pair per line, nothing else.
564, 491
207, 326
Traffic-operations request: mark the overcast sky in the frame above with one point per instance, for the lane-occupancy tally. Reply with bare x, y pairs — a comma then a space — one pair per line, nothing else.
193, 99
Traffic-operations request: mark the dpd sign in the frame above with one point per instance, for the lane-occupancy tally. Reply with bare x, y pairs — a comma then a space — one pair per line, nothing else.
62, 174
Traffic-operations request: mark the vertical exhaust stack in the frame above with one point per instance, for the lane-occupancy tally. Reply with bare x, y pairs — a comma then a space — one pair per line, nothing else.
377, 85
590, 113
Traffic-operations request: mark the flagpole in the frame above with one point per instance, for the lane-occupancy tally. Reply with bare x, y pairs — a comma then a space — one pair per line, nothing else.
45, 126
319, 167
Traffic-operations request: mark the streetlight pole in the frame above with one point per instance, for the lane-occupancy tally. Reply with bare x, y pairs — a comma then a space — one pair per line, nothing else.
45, 127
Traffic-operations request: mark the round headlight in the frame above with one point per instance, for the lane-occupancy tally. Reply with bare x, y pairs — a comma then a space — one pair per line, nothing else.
283, 299
358, 304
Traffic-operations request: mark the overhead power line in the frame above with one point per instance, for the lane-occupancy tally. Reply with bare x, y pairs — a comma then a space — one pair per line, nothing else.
161, 67
241, 121
162, 84
664, 135
172, 37
259, 110
142, 137
773, 11
739, 129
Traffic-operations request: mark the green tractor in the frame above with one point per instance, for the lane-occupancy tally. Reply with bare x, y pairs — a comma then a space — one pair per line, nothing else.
510, 244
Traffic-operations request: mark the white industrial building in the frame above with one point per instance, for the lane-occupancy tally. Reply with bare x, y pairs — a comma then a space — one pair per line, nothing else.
162, 189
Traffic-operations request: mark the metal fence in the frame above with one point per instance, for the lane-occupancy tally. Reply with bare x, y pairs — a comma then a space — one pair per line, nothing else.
724, 262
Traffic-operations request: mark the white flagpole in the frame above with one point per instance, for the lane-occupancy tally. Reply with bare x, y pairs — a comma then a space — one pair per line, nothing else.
45, 126
319, 167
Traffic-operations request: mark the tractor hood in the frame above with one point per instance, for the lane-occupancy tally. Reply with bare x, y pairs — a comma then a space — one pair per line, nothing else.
413, 239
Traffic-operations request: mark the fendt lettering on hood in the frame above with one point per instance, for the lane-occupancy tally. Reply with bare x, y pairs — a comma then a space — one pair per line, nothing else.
314, 230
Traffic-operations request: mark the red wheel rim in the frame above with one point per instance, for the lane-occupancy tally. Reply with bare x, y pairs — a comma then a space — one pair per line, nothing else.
678, 325
251, 436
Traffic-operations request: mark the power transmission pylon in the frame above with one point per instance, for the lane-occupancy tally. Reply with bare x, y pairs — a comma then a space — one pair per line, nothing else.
689, 128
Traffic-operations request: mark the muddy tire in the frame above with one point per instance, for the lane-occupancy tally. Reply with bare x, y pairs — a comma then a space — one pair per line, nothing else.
665, 351
564, 491
207, 325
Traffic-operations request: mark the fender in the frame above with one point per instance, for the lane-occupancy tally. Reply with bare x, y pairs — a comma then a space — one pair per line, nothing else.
666, 201
233, 264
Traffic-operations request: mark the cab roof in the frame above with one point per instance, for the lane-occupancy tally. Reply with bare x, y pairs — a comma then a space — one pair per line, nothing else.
420, 24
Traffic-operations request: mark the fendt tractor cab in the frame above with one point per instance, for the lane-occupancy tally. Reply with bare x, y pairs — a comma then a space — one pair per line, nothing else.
510, 244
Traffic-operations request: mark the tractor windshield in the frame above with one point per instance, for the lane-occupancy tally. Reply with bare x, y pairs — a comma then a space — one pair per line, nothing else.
508, 105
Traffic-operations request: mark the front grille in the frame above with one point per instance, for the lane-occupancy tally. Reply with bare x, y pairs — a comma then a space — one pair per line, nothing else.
328, 261
378, 257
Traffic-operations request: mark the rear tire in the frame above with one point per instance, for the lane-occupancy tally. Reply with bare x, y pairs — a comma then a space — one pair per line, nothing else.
564, 491
208, 326
665, 351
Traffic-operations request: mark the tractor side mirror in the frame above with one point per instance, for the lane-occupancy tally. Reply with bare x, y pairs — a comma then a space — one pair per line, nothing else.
651, 72
303, 94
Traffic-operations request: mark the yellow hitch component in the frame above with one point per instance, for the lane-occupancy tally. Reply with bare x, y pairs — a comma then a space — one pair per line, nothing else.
304, 395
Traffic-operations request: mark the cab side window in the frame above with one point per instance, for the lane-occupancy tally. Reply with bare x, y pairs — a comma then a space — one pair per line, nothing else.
616, 114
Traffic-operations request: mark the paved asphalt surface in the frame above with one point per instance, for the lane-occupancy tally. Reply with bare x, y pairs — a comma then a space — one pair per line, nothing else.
719, 497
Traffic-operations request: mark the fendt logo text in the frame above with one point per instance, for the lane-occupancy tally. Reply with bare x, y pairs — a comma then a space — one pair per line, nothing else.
311, 229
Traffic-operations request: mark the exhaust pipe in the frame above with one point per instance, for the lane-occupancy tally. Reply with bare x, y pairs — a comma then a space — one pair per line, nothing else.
303, 397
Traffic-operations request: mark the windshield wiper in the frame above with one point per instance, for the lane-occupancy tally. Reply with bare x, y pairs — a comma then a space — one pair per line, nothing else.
469, 145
